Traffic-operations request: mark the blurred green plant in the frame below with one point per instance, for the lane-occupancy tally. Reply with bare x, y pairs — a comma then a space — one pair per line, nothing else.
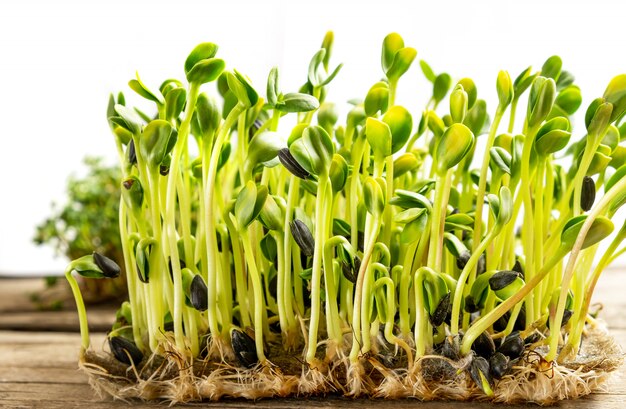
88, 221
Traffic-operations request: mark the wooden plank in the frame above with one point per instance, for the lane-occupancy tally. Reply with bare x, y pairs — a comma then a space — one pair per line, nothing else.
99, 320
46, 395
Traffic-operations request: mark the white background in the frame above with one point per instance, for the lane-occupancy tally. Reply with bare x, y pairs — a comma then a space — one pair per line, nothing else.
59, 60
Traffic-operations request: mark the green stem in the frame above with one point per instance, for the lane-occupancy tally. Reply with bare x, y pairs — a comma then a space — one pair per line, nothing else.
80, 306
320, 238
259, 305
596, 211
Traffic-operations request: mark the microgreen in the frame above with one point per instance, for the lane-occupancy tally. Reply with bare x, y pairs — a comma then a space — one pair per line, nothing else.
325, 235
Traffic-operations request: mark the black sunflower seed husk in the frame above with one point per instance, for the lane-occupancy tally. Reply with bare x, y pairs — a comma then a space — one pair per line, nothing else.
171, 271
499, 365
512, 346
442, 311
303, 237
291, 164
470, 305
567, 314
462, 259
256, 125
450, 348
532, 338
481, 266
348, 272
125, 350
502, 279
502, 322
480, 366
109, 268
198, 294
484, 345
518, 267
132, 153
587, 193
244, 347
273, 286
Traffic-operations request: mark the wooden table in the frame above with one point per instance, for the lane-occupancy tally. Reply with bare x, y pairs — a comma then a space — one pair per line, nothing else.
38, 358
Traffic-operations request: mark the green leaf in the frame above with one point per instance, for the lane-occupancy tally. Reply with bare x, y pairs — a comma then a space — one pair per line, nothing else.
264, 147
404, 163
242, 89
601, 228
129, 119
615, 93
379, 137
441, 86
400, 124
598, 116
505, 89
458, 104
470, 87
249, 203
206, 71
414, 229
477, 117
155, 142
338, 172
552, 67
392, 43
407, 199
569, 99
273, 89
175, 103
374, 196
523, 81
314, 150
455, 143
454, 245
565, 80
317, 59
296, 102
332, 75
139, 87
377, 99
408, 215
428, 72
402, 61
541, 100
501, 159
327, 44
207, 116
201, 52
553, 136
271, 214
506, 206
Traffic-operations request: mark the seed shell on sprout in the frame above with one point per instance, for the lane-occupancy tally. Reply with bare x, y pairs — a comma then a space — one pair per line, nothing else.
198, 293
109, 268
303, 237
462, 259
291, 164
587, 193
480, 366
125, 350
499, 365
512, 346
484, 345
442, 311
502, 279
244, 348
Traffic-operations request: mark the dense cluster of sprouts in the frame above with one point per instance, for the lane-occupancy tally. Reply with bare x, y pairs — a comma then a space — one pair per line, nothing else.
364, 245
